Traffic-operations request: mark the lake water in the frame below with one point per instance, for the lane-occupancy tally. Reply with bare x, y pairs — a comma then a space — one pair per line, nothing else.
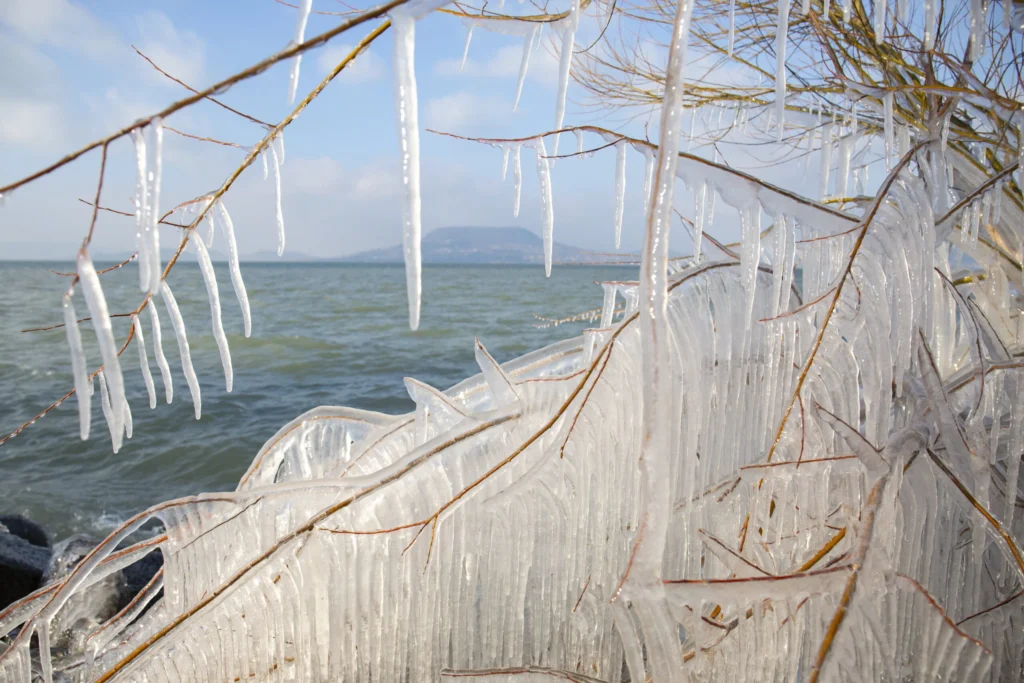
322, 334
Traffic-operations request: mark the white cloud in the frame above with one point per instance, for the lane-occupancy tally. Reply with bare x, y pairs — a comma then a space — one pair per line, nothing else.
363, 69
182, 54
60, 23
504, 63
463, 110
30, 122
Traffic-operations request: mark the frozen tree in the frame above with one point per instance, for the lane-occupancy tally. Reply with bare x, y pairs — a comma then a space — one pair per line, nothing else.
792, 457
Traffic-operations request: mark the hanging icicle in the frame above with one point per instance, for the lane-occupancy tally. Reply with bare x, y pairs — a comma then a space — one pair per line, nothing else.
879, 6
517, 178
524, 64
781, 32
147, 376
83, 386
887, 105
504, 161
186, 357
97, 304
465, 50
142, 225
620, 189
158, 352
233, 268
300, 34
568, 27
732, 25
277, 195
210, 278
407, 105
546, 204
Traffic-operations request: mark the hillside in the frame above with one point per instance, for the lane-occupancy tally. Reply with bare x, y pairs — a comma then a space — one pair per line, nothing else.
482, 245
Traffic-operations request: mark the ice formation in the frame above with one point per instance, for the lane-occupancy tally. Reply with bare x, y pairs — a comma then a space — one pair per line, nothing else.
793, 458
300, 33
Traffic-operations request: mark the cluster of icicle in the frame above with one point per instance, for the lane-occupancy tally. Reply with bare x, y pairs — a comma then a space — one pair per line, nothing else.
116, 411
797, 460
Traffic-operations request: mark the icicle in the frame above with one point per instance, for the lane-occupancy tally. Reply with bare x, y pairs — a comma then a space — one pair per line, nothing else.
904, 141
280, 215
620, 189
158, 352
142, 225
524, 64
546, 205
78, 368
700, 218
263, 158
409, 145
206, 267
608, 306
888, 127
105, 337
879, 20
155, 270
579, 140
504, 161
826, 8
128, 426
805, 7
210, 231
750, 252
944, 132
648, 178
186, 356
278, 142
300, 33
732, 24
517, 179
236, 273
826, 159
657, 423
147, 376
465, 50
977, 28
901, 10
929, 24
115, 426
846, 144
564, 66
847, 5
780, 63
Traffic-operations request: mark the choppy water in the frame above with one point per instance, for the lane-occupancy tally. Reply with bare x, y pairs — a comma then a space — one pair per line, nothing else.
322, 335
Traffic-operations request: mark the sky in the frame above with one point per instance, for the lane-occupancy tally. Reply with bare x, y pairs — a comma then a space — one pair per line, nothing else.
76, 78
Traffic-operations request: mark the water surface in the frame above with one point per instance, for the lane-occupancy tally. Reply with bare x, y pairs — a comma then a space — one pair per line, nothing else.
322, 334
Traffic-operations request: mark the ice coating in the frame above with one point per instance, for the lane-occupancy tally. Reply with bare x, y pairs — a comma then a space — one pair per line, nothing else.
879, 8
210, 278
406, 106
620, 189
236, 273
153, 208
505, 149
147, 376
211, 228
547, 208
929, 24
83, 387
300, 33
579, 140
186, 357
648, 176
846, 144
158, 351
277, 199
97, 304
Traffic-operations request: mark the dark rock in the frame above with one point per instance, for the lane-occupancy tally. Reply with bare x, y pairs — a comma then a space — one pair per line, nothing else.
135, 577
23, 527
22, 566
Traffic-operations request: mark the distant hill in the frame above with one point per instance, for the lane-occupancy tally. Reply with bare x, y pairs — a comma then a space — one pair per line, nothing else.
482, 245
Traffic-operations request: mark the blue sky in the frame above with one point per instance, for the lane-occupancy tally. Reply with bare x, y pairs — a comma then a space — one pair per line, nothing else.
76, 78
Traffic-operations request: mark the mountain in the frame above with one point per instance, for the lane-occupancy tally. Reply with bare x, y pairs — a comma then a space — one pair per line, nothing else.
483, 245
